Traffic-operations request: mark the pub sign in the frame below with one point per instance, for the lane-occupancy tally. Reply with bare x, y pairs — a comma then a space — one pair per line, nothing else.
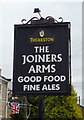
42, 59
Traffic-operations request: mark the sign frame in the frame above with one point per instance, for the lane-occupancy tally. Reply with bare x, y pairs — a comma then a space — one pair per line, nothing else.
20, 26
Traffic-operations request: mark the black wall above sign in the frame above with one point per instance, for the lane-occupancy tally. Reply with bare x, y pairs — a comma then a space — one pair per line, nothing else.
42, 59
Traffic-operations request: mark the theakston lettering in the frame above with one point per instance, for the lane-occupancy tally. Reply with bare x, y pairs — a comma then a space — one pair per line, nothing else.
41, 39
41, 58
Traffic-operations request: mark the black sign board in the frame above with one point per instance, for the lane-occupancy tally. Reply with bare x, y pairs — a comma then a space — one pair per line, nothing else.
42, 59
